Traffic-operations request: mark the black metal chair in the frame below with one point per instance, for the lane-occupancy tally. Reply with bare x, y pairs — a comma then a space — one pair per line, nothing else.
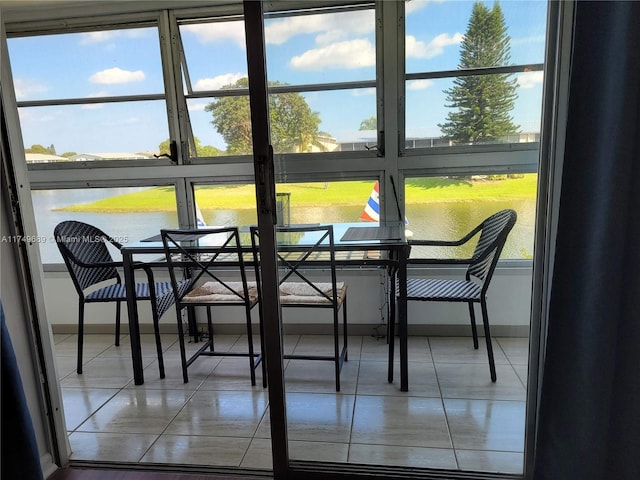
90, 263
198, 261
301, 250
493, 234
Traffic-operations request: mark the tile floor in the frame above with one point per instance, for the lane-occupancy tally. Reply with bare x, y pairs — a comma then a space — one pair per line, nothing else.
453, 416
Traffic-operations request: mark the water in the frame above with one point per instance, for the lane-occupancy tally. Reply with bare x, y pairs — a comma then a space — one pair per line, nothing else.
426, 221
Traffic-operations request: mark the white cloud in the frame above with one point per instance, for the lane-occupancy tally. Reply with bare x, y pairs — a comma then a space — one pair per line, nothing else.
197, 107
418, 49
97, 37
25, 88
117, 75
347, 54
530, 79
102, 36
329, 27
219, 81
218, 32
361, 92
420, 84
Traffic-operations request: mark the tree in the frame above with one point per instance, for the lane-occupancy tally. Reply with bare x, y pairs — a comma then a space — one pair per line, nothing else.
37, 148
483, 102
370, 123
201, 150
294, 127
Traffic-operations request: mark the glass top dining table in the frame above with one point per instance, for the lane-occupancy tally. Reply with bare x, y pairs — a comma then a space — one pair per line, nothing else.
355, 244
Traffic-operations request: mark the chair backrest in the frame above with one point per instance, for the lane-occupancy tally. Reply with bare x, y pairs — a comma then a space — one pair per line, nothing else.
493, 235
82, 246
301, 249
203, 255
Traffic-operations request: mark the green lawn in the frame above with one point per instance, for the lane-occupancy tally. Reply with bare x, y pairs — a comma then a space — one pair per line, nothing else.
437, 189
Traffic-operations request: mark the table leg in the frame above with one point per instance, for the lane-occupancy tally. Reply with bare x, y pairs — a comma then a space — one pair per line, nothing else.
132, 312
402, 322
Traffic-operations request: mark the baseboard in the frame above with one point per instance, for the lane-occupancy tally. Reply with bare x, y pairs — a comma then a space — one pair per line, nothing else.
47, 465
359, 329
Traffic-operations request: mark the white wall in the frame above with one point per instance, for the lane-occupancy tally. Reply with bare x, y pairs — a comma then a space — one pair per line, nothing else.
509, 302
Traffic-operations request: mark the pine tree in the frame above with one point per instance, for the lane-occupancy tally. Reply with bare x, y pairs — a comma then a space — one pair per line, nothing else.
483, 102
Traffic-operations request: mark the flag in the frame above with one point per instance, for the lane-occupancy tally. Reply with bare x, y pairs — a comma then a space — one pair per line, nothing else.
200, 223
371, 212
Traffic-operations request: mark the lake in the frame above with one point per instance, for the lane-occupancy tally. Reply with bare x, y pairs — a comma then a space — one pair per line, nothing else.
427, 221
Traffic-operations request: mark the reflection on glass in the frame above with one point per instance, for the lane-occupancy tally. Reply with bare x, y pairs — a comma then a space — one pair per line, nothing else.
446, 208
127, 214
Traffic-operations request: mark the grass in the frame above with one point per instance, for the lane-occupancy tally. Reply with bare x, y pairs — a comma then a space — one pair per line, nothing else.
423, 190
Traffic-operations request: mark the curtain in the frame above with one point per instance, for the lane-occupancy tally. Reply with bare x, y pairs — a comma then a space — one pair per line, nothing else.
20, 457
588, 422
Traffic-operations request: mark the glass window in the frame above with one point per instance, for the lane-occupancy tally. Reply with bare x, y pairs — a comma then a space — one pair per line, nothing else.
106, 131
323, 202
321, 48
488, 107
127, 214
70, 90
104, 63
447, 208
229, 205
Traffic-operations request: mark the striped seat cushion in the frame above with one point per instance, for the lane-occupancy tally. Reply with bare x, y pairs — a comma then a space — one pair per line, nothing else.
301, 293
216, 292
433, 289
117, 291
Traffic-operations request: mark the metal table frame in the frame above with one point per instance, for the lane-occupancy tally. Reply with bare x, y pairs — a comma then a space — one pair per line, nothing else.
395, 261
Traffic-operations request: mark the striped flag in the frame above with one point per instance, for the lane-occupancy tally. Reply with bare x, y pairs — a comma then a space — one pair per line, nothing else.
200, 223
371, 212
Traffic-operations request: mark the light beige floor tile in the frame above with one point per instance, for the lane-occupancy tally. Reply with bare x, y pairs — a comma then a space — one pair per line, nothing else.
473, 380
65, 365
109, 447
486, 424
137, 411
419, 457
198, 372
418, 349
81, 403
232, 373
258, 455
374, 349
93, 345
486, 461
522, 371
319, 376
516, 349
316, 345
147, 345
460, 350
221, 413
318, 451
60, 337
393, 420
315, 417
103, 372
373, 379
222, 343
198, 450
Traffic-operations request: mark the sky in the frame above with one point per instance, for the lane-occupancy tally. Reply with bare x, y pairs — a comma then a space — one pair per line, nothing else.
300, 50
